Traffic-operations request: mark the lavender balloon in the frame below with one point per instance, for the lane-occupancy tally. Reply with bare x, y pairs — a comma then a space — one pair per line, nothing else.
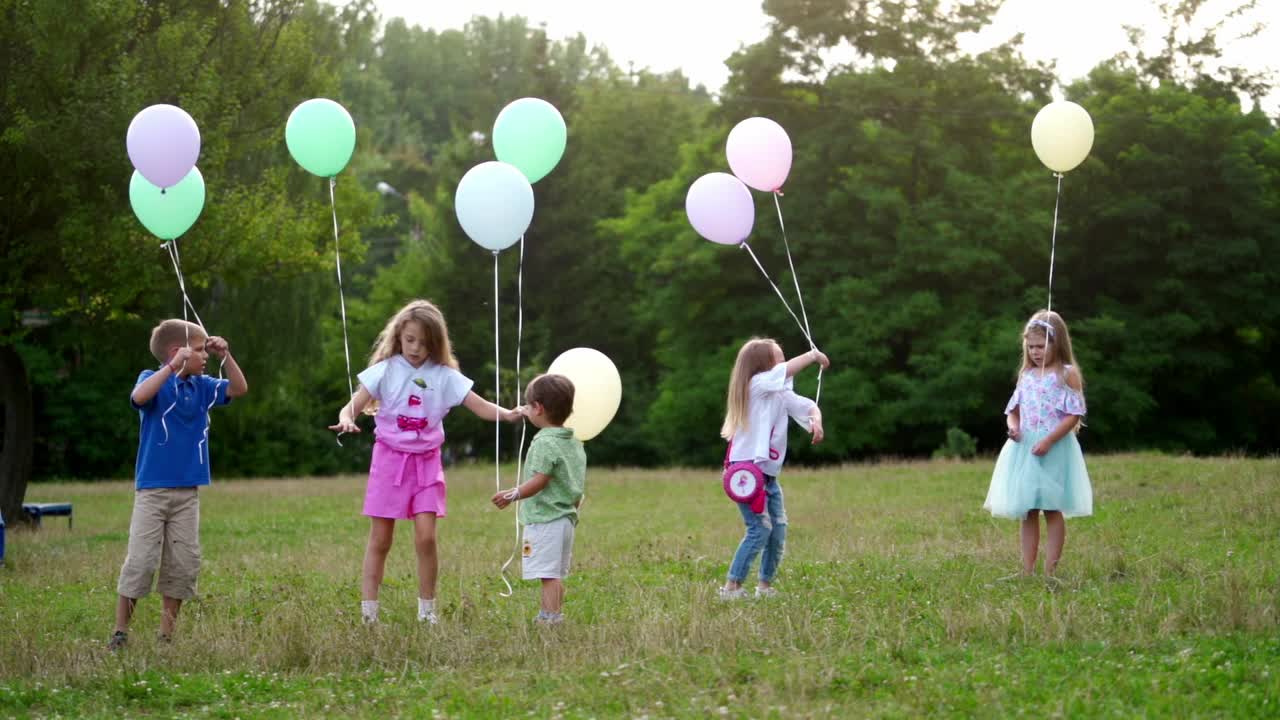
164, 144
720, 208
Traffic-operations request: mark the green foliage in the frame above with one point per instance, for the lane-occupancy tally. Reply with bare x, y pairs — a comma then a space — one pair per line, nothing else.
920, 222
917, 214
959, 445
74, 76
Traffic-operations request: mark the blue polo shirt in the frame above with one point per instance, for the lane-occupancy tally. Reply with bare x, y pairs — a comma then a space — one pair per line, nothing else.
173, 447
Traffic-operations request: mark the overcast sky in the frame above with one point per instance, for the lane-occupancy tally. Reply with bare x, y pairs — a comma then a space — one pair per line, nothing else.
697, 35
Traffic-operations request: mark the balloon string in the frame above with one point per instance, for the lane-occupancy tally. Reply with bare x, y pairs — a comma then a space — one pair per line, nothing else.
796, 279
514, 493
519, 344
777, 290
182, 286
175, 257
342, 300
497, 396
497, 362
182, 283
1053, 242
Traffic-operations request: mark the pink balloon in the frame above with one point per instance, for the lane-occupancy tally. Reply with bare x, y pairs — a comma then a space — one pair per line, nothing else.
759, 153
720, 208
163, 143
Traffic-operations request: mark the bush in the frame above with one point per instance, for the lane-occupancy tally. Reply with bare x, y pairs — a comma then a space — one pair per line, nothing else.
959, 445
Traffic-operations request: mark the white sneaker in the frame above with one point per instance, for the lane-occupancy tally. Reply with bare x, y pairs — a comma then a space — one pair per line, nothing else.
766, 592
430, 617
728, 595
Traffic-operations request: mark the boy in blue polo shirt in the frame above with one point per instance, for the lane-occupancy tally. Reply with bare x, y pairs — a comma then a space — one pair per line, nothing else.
173, 404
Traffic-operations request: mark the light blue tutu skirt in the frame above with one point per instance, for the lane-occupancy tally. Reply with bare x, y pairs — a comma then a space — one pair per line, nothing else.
1056, 481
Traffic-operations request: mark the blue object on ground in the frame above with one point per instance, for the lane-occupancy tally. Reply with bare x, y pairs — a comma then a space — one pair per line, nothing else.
39, 510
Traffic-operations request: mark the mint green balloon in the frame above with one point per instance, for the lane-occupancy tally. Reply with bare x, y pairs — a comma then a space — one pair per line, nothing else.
321, 136
170, 212
530, 134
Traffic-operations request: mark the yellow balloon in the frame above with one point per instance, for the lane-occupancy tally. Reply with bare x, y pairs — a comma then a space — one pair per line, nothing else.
597, 389
1062, 135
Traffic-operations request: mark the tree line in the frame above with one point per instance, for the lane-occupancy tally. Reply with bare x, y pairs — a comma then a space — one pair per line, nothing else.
918, 216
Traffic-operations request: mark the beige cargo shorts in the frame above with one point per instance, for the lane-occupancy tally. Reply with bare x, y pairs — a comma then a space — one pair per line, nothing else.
164, 534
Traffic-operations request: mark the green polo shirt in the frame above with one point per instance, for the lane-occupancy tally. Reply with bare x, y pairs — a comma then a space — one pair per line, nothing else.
557, 453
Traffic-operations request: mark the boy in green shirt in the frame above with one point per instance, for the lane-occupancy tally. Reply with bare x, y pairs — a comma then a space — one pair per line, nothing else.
556, 469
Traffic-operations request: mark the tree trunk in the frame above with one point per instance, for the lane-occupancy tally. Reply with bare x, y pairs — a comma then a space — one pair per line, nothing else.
16, 438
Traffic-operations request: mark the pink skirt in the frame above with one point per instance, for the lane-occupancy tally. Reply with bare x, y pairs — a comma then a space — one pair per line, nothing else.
402, 485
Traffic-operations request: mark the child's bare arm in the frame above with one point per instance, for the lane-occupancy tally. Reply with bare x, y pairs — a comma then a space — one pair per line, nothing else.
800, 362
528, 489
349, 412
1066, 425
147, 389
1013, 421
239, 385
486, 410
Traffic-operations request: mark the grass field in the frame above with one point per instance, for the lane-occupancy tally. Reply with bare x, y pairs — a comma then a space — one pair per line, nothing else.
892, 604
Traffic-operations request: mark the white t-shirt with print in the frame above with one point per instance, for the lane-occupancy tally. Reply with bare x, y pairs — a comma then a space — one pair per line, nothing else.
413, 401
770, 401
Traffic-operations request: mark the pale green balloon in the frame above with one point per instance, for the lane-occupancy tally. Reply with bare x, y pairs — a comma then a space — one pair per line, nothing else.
170, 212
530, 134
321, 136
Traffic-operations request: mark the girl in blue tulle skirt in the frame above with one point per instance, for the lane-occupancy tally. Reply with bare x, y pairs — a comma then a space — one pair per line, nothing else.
1041, 468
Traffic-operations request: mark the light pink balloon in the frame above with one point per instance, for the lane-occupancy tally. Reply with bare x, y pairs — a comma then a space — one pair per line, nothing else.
759, 153
720, 208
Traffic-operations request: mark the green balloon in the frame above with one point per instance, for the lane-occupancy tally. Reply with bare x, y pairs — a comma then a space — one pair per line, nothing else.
321, 136
530, 134
170, 212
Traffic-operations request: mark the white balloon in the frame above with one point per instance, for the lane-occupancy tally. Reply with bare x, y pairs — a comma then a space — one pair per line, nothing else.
1062, 135
597, 389
494, 204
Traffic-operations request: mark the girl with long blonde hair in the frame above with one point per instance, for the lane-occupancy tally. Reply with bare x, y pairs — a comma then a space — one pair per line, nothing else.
1041, 467
760, 399
411, 384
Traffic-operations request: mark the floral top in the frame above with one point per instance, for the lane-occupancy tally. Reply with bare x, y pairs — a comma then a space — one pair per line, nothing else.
1042, 402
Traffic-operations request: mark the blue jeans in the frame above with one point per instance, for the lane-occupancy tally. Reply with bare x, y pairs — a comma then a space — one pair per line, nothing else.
766, 531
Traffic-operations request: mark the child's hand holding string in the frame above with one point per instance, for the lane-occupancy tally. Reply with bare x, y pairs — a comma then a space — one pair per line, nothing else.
346, 424
349, 412
1013, 421
179, 361
217, 346
504, 498
815, 425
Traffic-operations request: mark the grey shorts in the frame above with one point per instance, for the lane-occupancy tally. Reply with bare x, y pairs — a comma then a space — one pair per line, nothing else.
547, 550
164, 534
